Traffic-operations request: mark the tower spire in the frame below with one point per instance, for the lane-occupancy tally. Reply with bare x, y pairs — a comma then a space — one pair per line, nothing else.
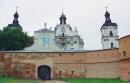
107, 16
16, 15
62, 18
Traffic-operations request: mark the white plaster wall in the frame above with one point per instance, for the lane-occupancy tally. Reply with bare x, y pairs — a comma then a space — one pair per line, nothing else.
105, 32
110, 39
67, 31
107, 44
51, 45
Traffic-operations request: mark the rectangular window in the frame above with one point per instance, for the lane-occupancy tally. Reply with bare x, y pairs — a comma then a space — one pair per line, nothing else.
106, 39
75, 42
111, 45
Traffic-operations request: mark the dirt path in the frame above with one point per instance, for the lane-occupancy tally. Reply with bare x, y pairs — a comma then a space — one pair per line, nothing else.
51, 81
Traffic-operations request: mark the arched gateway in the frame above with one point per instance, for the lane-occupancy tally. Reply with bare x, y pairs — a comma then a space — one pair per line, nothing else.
44, 72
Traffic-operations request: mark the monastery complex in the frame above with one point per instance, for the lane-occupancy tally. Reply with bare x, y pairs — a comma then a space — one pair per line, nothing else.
60, 53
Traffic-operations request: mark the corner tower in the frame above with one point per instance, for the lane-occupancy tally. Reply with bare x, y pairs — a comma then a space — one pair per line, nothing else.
109, 31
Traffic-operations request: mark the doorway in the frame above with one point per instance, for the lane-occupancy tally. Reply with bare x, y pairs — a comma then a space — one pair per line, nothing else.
44, 72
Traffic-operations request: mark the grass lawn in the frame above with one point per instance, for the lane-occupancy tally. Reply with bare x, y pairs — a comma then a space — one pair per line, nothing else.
67, 80
93, 80
14, 80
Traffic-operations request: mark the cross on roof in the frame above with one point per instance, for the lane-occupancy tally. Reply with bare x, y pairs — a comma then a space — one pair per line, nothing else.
62, 11
106, 8
45, 24
16, 8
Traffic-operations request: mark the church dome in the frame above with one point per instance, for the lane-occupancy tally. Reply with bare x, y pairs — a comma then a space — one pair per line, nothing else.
43, 30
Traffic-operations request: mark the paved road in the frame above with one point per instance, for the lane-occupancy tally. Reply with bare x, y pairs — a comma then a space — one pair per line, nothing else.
52, 81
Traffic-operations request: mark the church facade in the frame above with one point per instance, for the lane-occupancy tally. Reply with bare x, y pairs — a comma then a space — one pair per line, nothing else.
68, 59
62, 38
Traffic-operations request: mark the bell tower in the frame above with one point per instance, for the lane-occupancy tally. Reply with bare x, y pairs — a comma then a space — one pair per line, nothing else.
62, 19
16, 15
15, 24
109, 31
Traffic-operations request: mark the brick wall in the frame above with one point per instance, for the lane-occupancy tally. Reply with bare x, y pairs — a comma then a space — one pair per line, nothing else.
1, 63
125, 69
124, 49
97, 64
100, 63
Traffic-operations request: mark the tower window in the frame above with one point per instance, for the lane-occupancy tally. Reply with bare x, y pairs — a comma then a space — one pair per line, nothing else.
55, 28
63, 44
63, 34
111, 45
115, 28
111, 34
106, 39
70, 28
75, 42
124, 53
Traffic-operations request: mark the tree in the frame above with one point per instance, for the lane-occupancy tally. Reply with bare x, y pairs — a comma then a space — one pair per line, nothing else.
14, 39
1, 43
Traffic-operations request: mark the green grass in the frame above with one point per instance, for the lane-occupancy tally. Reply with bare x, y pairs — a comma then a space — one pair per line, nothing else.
67, 80
14, 80
93, 80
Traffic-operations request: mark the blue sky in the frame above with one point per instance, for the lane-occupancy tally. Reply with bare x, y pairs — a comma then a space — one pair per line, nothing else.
86, 15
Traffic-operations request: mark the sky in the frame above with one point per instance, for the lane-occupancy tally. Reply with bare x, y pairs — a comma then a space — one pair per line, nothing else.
86, 15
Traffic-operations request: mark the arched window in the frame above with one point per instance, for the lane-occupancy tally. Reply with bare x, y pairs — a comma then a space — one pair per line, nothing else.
111, 34
72, 72
60, 72
111, 45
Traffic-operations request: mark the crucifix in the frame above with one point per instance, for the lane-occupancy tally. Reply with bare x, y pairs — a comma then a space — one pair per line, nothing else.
16, 8
45, 24
106, 8
62, 11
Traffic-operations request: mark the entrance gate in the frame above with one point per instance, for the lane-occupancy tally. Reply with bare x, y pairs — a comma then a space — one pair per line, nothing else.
44, 72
